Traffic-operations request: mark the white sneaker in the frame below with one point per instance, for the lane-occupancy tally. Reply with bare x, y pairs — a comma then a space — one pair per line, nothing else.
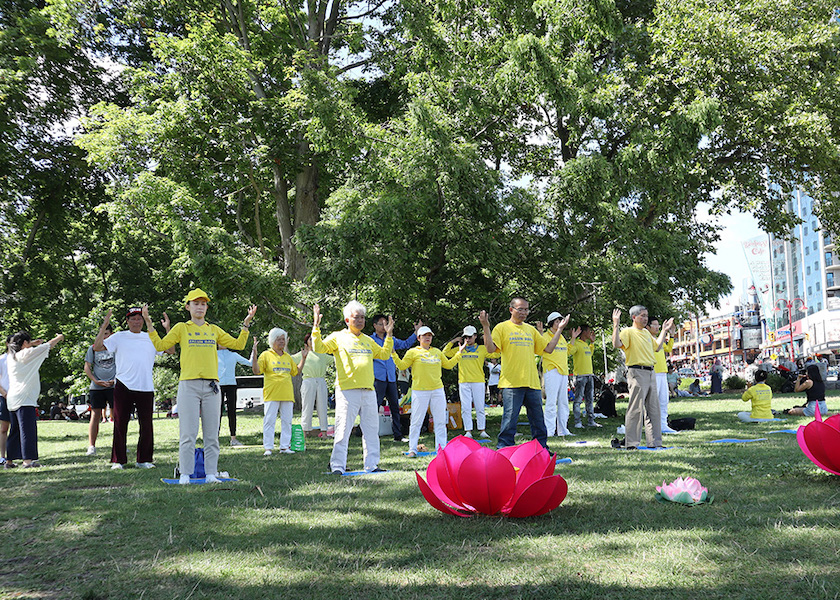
90, 451
669, 430
468, 434
597, 415
235, 443
578, 425
267, 453
145, 465
404, 440
210, 478
116, 466
184, 480
483, 435
286, 451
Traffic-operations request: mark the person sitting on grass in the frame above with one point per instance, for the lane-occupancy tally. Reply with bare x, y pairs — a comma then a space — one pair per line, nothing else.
427, 390
814, 387
694, 388
760, 395
277, 368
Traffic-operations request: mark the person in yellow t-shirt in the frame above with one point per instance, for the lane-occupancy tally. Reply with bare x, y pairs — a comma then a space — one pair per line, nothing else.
581, 347
199, 395
519, 344
760, 395
354, 394
660, 368
555, 368
425, 363
471, 380
277, 369
313, 388
640, 348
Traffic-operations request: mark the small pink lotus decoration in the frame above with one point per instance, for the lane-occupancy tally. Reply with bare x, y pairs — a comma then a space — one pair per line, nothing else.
820, 441
465, 478
686, 491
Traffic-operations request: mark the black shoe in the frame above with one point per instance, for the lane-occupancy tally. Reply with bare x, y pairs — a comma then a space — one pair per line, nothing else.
338, 472
631, 448
376, 470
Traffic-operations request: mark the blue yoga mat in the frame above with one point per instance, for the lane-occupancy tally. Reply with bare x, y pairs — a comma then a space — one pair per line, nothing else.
793, 431
565, 461
354, 473
419, 454
196, 481
660, 448
736, 441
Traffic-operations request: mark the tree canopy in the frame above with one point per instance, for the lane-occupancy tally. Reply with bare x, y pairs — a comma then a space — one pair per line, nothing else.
429, 157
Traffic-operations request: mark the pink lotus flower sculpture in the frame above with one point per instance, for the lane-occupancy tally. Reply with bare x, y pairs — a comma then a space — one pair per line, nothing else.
686, 491
465, 478
820, 441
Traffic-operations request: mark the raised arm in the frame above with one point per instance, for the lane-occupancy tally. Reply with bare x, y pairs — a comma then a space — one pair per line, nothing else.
616, 318
98, 343
485, 327
666, 327
255, 364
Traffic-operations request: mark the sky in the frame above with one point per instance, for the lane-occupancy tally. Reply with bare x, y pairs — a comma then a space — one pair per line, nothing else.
729, 257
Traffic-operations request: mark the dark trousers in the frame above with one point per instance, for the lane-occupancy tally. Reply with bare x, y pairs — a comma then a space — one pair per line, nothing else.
229, 402
22, 442
126, 401
513, 399
388, 389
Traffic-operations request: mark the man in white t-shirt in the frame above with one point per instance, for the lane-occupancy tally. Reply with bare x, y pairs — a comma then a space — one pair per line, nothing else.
134, 390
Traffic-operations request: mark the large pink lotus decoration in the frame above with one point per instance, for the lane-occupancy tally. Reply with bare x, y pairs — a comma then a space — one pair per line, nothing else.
465, 478
820, 441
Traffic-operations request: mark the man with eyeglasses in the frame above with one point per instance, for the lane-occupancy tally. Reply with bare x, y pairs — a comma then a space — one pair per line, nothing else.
519, 345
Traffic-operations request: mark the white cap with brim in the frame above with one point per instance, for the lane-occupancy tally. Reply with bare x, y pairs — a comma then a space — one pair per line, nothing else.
552, 316
469, 330
423, 331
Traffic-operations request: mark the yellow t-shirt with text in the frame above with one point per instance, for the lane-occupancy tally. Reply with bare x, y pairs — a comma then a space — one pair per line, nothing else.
277, 371
199, 359
518, 346
559, 359
353, 355
471, 367
425, 366
760, 395
581, 353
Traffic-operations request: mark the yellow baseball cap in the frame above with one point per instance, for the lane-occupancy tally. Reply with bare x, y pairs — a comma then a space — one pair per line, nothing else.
196, 294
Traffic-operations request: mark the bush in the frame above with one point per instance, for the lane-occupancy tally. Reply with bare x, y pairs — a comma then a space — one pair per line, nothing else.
775, 381
733, 382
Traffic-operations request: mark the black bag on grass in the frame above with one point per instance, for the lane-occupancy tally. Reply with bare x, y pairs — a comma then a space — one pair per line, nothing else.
682, 424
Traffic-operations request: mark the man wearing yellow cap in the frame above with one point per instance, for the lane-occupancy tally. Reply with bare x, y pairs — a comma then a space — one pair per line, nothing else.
198, 389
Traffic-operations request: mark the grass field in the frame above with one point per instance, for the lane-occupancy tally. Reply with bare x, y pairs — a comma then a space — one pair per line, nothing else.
77, 529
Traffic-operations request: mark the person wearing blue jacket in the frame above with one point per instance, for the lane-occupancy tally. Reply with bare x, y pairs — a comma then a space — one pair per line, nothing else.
385, 373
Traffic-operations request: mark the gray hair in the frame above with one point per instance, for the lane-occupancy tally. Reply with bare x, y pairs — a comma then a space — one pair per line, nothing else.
354, 306
276, 333
636, 310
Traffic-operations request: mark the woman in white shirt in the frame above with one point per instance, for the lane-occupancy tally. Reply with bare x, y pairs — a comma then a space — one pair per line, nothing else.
24, 361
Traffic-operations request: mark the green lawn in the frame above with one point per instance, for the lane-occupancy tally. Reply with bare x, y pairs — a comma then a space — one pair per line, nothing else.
77, 529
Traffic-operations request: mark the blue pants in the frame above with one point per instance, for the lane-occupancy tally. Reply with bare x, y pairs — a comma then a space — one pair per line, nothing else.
23, 434
388, 389
584, 390
512, 401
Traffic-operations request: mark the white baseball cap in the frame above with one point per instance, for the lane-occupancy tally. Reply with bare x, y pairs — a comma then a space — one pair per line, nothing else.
469, 330
423, 331
552, 316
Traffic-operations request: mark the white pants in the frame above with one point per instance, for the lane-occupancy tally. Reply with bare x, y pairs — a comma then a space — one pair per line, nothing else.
313, 393
348, 405
421, 401
472, 393
196, 399
662, 391
270, 410
556, 402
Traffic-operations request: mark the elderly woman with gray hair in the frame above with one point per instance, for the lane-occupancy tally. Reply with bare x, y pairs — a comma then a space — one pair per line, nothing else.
277, 368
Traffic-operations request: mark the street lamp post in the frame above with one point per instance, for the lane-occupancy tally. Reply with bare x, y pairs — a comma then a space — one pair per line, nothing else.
789, 305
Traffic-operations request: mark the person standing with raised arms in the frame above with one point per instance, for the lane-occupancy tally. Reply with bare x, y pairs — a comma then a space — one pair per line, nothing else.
198, 390
354, 353
519, 345
471, 379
